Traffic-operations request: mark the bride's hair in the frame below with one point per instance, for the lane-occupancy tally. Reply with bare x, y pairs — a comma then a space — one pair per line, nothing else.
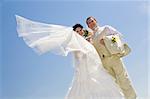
76, 26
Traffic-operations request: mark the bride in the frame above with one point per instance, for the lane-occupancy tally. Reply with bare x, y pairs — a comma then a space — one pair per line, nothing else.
90, 80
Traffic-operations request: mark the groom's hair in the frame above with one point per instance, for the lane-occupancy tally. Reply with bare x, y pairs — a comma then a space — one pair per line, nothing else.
76, 26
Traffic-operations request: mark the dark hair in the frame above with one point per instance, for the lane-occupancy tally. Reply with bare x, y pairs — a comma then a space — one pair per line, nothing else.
76, 26
90, 18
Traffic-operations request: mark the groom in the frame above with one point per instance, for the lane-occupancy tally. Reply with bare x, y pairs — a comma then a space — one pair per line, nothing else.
112, 63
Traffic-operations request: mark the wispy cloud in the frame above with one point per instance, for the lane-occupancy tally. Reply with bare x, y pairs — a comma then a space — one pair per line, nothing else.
144, 7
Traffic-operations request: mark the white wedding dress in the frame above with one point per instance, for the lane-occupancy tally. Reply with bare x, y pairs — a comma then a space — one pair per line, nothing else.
90, 80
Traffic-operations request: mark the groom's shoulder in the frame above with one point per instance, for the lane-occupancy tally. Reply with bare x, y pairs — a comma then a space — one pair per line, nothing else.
109, 27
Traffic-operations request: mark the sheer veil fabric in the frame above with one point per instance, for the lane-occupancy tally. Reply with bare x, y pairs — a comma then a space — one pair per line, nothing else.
90, 80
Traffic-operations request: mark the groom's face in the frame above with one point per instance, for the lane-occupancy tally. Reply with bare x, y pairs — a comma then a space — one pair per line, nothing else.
91, 22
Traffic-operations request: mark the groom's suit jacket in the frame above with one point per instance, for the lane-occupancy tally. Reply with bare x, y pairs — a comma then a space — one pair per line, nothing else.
113, 63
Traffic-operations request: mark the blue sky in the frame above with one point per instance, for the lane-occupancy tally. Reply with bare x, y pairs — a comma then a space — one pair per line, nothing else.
25, 75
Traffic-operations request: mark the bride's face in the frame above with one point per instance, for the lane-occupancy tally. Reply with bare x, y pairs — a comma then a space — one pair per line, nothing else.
79, 30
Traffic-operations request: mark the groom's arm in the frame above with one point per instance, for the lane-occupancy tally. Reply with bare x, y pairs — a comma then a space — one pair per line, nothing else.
108, 30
